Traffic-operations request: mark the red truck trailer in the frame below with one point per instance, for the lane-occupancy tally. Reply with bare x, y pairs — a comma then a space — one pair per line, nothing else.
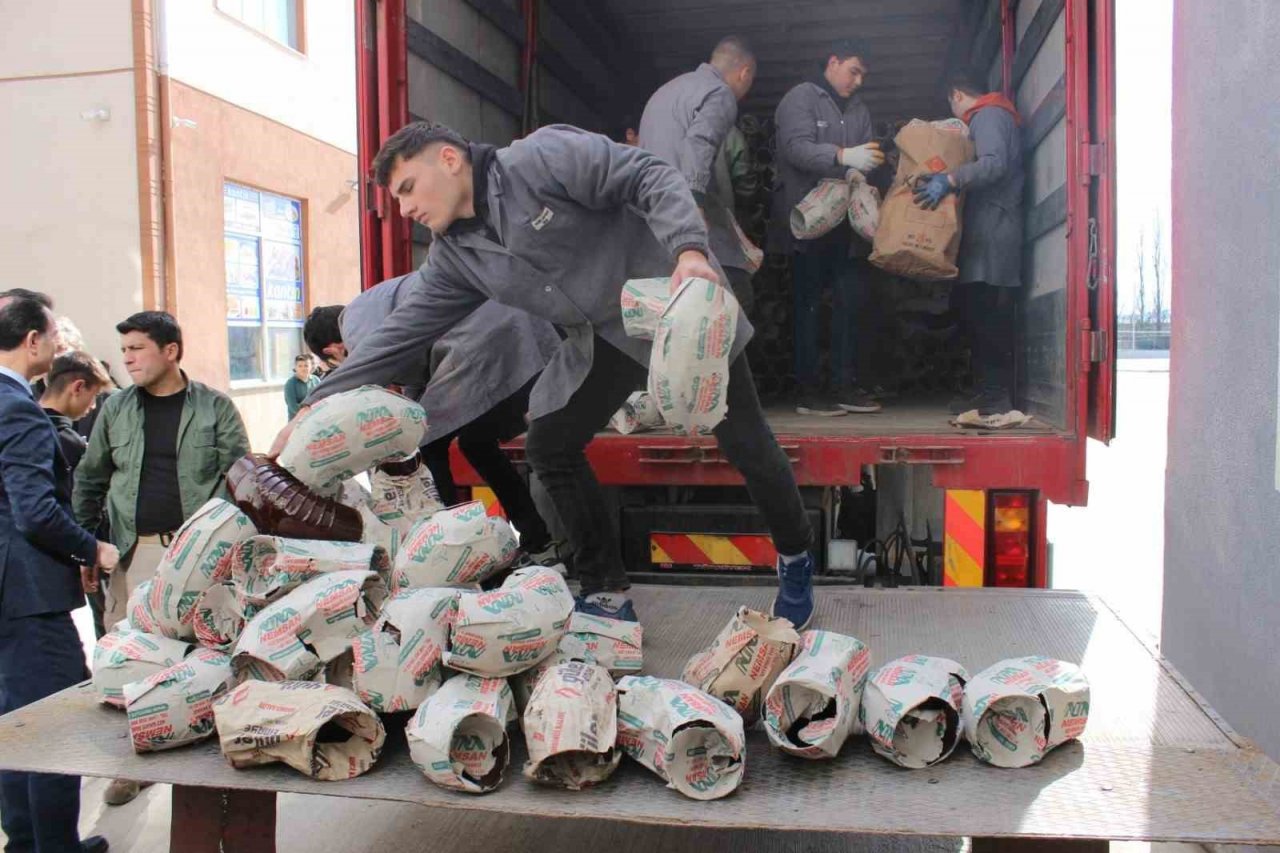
970, 506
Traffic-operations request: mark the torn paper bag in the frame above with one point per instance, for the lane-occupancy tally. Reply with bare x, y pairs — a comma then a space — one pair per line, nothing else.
571, 727
689, 738
813, 706
911, 709
1017, 710
458, 738
320, 730
742, 662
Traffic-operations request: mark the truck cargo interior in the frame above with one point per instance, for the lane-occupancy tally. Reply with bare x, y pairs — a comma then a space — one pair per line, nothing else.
472, 65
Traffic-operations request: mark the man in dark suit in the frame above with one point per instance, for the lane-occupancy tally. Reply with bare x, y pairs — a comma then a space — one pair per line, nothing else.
46, 563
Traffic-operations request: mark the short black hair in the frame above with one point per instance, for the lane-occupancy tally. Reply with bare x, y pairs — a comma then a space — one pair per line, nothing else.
842, 49
967, 82
21, 316
408, 141
157, 325
322, 329
22, 293
302, 358
70, 366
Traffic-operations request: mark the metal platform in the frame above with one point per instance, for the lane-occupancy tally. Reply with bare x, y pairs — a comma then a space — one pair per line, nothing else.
1155, 763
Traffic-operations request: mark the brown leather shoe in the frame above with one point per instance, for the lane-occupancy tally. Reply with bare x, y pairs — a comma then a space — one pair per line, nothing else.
280, 505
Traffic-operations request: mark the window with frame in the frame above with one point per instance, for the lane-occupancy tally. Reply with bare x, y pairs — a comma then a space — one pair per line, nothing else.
262, 239
278, 20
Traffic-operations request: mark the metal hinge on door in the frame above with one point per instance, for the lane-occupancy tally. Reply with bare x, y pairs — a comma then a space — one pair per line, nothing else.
1095, 159
1098, 346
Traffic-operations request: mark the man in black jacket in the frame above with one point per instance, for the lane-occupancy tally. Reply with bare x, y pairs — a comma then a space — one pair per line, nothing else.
71, 391
46, 563
824, 130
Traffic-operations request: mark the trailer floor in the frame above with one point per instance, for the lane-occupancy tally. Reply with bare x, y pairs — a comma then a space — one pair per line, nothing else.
1154, 764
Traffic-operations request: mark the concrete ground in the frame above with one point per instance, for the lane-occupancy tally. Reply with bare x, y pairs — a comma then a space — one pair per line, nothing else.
1112, 547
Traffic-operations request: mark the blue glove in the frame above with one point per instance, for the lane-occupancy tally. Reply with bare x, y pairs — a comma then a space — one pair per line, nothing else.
931, 190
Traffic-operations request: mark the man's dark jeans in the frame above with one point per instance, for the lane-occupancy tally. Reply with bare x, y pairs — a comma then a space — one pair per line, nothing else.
826, 264
556, 444
479, 442
39, 655
985, 314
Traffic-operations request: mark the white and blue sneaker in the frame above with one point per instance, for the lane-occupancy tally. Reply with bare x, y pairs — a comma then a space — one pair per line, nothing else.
795, 591
607, 605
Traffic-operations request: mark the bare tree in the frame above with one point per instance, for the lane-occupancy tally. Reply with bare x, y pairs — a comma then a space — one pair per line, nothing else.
1140, 300
1158, 273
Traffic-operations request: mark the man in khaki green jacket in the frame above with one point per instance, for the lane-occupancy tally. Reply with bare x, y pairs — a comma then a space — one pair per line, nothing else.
158, 451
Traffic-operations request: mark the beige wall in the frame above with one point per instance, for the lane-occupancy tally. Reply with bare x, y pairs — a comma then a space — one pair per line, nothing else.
313, 91
70, 224
229, 143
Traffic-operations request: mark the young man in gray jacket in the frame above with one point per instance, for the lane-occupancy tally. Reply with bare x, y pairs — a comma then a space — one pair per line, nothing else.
824, 130
983, 295
555, 224
685, 123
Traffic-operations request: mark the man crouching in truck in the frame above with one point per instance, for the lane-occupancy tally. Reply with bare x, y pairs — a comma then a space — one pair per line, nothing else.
555, 224
991, 239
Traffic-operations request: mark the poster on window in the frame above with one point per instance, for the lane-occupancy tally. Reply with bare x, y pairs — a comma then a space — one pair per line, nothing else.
281, 218
282, 263
240, 209
241, 260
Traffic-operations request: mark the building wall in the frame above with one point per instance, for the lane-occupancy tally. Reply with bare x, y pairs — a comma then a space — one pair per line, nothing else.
313, 91
70, 225
1222, 540
230, 143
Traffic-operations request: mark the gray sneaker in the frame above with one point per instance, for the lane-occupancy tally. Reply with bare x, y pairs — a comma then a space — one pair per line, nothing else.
858, 402
818, 405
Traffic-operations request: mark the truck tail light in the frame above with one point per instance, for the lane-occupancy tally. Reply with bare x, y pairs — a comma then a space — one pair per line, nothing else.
1010, 546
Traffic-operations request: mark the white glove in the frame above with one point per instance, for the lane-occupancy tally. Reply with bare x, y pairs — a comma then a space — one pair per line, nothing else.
864, 158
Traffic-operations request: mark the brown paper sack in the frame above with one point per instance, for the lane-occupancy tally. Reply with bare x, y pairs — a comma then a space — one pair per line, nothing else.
821, 210
741, 664
267, 567
320, 730
458, 738
199, 556
402, 500
1017, 710
125, 656
571, 727
292, 639
911, 709
219, 617
689, 738
813, 706
397, 664
911, 241
689, 362
512, 628
457, 547
140, 616
174, 707
348, 433
864, 207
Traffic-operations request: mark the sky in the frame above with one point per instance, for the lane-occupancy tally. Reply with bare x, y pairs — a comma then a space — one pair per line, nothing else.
1144, 87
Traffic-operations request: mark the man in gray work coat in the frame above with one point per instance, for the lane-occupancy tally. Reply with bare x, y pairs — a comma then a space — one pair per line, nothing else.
685, 123
982, 297
555, 224
477, 382
824, 130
